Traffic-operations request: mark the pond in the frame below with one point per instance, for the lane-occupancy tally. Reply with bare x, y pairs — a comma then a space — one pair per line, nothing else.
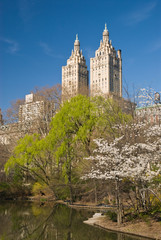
38, 221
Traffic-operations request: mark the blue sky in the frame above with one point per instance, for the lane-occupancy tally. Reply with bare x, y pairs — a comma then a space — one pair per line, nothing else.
37, 36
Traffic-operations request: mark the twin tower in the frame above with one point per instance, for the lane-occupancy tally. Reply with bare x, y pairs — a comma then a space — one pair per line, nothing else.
105, 71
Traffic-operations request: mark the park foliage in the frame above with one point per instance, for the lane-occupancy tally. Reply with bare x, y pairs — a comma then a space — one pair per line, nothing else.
92, 143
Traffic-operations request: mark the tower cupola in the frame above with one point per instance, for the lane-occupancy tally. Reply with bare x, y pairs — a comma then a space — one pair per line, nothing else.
76, 44
105, 34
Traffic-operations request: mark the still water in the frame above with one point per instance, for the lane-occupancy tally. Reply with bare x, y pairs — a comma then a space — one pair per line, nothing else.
45, 222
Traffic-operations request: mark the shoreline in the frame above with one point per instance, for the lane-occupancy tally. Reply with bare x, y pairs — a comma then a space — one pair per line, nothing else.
144, 230
138, 229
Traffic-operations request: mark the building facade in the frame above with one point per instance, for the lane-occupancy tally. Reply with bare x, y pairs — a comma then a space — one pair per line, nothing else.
31, 109
106, 69
74, 74
34, 116
150, 114
36, 108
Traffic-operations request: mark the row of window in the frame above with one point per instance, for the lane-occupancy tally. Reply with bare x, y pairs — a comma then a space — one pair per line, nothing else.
113, 62
100, 80
73, 69
100, 85
95, 61
100, 53
69, 75
95, 69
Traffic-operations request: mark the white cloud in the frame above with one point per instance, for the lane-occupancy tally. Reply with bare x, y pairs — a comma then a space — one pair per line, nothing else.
141, 14
12, 46
49, 51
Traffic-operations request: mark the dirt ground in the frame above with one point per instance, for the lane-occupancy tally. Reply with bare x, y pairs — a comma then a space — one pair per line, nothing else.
149, 229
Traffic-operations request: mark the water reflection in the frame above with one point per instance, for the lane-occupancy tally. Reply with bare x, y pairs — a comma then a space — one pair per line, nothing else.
24, 221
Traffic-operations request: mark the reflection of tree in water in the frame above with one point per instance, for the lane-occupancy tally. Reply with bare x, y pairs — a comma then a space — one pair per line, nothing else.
30, 221
25, 222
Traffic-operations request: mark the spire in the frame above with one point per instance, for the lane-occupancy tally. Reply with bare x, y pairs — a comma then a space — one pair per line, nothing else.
76, 44
105, 34
105, 27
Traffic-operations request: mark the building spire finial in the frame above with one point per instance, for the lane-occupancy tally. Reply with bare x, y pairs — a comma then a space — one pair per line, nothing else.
105, 26
76, 44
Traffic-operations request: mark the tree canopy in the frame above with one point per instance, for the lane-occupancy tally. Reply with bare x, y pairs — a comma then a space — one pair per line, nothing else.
60, 155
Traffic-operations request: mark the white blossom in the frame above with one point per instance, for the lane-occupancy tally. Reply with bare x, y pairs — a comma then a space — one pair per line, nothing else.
127, 158
145, 97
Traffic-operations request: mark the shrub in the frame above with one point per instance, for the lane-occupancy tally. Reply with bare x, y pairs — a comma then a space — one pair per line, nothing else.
38, 188
112, 215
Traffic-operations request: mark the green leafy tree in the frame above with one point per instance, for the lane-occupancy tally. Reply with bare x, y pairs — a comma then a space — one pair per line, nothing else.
31, 159
58, 159
110, 116
71, 132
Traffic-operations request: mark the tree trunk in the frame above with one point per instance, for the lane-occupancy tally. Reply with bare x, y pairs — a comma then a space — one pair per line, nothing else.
69, 173
137, 199
71, 193
70, 184
119, 204
95, 190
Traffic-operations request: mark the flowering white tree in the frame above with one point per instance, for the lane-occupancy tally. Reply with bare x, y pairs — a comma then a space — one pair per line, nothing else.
135, 155
145, 97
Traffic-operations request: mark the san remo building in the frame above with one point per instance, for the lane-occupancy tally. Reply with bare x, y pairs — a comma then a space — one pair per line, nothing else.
105, 70
75, 74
